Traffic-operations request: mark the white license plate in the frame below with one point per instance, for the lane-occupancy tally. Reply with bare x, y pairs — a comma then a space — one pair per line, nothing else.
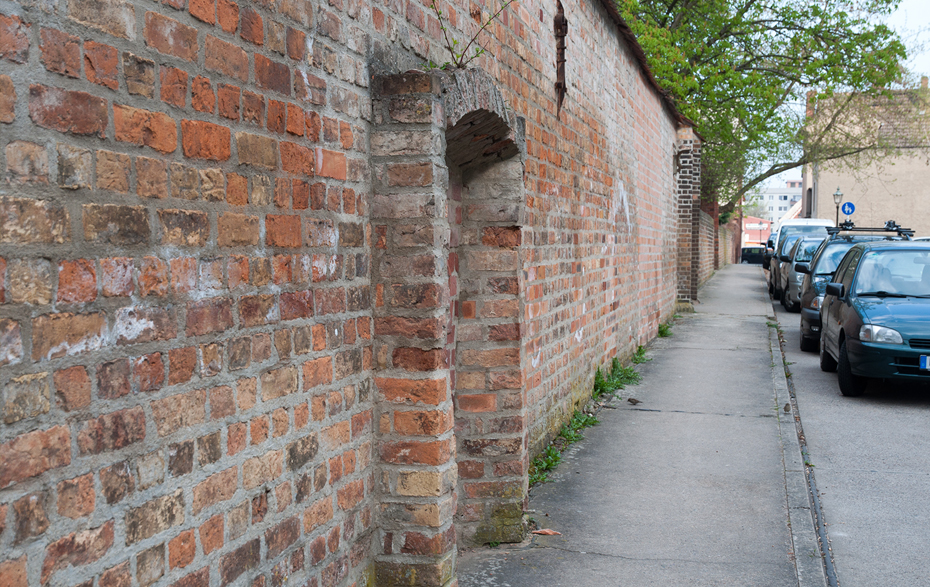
924, 362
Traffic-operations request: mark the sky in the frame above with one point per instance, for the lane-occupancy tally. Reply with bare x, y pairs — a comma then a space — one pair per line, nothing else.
912, 22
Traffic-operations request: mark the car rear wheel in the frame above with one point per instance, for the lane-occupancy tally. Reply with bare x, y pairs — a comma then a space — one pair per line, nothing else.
808, 345
827, 363
850, 385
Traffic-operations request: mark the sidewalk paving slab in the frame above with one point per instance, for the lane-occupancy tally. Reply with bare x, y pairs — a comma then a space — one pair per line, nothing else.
688, 487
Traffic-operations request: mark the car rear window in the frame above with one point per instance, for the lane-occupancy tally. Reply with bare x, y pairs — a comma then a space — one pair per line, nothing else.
807, 250
831, 257
894, 272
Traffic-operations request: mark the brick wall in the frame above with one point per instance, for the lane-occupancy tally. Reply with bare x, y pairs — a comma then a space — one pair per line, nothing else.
247, 338
707, 243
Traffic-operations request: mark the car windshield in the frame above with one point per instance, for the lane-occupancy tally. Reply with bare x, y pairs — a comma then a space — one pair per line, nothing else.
802, 229
831, 257
894, 273
785, 246
806, 250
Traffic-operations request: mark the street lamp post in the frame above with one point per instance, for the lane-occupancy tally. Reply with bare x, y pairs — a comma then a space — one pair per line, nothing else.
838, 199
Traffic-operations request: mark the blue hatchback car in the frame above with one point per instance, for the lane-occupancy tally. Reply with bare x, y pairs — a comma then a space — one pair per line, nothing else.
875, 315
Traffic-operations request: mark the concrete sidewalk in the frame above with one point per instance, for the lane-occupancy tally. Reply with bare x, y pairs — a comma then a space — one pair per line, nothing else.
700, 484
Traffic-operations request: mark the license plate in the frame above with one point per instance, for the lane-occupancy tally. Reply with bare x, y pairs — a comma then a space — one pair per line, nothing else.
924, 362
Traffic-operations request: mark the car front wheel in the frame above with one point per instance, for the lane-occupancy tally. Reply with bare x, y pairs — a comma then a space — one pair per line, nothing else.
850, 385
826, 361
808, 345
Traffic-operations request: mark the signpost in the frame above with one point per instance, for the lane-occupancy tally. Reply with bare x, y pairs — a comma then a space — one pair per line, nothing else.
848, 208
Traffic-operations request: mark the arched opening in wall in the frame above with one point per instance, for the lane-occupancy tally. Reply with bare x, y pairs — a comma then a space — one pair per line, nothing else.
486, 202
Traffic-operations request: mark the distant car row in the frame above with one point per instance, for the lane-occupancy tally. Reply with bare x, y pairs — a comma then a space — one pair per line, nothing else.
864, 299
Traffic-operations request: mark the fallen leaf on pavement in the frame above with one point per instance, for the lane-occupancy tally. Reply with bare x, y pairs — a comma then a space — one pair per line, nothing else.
547, 532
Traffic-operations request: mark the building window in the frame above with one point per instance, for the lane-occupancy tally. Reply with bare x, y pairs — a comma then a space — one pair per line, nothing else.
782, 197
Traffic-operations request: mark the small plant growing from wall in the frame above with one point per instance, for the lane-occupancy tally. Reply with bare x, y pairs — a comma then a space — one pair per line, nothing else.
461, 56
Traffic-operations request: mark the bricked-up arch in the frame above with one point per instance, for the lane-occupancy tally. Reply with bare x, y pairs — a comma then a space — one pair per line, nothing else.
446, 224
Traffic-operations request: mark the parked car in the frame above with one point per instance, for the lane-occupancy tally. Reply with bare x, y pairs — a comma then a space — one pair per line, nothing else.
876, 315
791, 279
784, 246
806, 226
819, 270
752, 255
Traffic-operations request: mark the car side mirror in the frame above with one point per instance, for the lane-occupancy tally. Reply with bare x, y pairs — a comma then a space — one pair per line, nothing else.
802, 268
785, 258
836, 289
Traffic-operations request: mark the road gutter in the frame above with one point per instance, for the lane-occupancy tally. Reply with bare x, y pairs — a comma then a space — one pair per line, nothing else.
809, 539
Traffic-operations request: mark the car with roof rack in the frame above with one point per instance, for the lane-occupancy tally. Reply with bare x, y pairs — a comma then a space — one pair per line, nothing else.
818, 272
876, 315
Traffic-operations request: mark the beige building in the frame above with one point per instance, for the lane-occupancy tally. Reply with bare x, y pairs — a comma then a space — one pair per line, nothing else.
895, 188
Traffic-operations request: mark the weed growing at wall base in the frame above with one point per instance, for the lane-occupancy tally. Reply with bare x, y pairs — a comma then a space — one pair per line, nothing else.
604, 386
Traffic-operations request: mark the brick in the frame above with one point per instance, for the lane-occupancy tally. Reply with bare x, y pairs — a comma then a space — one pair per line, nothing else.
296, 158
77, 548
279, 383
185, 182
228, 98
236, 230
117, 482
76, 497
256, 150
154, 517
257, 310
13, 572
139, 74
251, 26
280, 537
237, 189
271, 75
409, 327
213, 185
113, 170
150, 565
422, 423
258, 430
114, 17
225, 58
351, 494
204, 10
150, 469
148, 373
68, 111
7, 99
296, 43
61, 52
490, 358
208, 448
253, 108
202, 97
153, 277
205, 140
170, 37
113, 379
14, 39
259, 470
182, 549
318, 514
282, 231
182, 363
29, 281
112, 431
141, 127
331, 164
420, 453
277, 116
118, 576
211, 534
101, 64
32, 221
75, 167
238, 561
179, 411
302, 451
222, 402
115, 224
26, 162
181, 458
206, 316
312, 89
77, 281
296, 305
227, 13
428, 391
145, 324
30, 516
174, 86
199, 578
58, 335
72, 387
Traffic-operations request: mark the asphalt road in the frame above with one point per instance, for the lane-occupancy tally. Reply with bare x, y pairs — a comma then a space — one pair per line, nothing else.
871, 458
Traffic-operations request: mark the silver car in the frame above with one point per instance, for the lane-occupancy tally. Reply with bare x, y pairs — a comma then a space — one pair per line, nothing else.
802, 252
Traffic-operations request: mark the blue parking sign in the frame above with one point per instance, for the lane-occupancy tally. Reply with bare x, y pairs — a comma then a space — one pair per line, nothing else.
848, 208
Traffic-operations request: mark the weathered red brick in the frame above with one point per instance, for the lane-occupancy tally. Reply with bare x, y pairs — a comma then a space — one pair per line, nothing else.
77, 281
72, 386
7, 99
173, 86
148, 373
331, 164
252, 29
68, 111
204, 10
112, 431
420, 453
77, 548
244, 558
101, 64
179, 411
115, 224
278, 538
227, 13
113, 379
61, 52
272, 75
226, 58
202, 97
76, 496
205, 140
14, 39
141, 127
210, 315
57, 335
170, 37
154, 517
296, 158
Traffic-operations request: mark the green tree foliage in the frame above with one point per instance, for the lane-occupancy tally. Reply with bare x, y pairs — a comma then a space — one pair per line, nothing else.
742, 70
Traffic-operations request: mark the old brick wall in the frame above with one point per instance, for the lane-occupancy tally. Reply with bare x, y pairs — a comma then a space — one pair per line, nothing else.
707, 243
186, 342
191, 393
